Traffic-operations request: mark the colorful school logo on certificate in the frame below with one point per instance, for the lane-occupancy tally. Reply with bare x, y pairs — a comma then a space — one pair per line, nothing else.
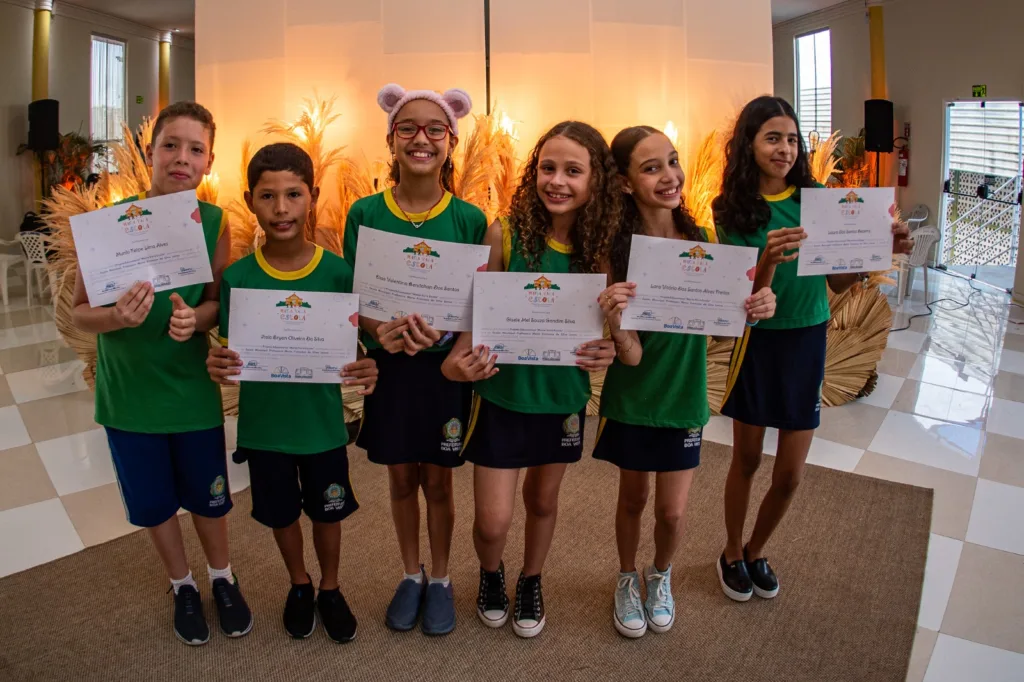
541, 291
851, 205
217, 487
135, 220
696, 260
293, 308
420, 256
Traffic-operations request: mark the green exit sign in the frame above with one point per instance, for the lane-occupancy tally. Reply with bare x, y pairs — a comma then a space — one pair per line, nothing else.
979, 91
140, 99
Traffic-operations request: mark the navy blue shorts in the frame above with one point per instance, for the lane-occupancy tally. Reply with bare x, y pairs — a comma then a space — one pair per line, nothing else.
414, 415
777, 376
648, 448
283, 486
159, 473
504, 439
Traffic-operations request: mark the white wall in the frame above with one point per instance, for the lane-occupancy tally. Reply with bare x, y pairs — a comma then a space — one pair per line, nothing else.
935, 51
71, 33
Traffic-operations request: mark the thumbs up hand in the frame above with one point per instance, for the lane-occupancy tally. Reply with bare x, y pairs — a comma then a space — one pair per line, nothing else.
183, 319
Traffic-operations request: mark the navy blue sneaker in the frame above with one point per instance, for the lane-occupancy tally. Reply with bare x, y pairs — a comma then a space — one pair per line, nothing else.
404, 609
439, 609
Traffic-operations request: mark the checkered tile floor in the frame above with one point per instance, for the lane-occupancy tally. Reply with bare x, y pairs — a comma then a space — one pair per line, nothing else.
948, 414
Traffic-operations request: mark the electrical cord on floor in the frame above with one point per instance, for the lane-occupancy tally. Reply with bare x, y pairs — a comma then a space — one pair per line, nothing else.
959, 306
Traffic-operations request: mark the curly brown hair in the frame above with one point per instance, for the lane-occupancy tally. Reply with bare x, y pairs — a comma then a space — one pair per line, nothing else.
596, 221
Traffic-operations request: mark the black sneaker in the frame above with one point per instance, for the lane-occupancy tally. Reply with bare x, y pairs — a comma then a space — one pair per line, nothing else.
189, 624
492, 600
529, 620
766, 585
300, 611
734, 579
232, 611
336, 616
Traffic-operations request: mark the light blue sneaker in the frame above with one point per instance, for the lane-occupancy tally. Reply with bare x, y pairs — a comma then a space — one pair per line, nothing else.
628, 612
438, 609
660, 606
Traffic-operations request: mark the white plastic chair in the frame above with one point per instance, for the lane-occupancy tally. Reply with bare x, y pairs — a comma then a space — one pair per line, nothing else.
34, 246
917, 216
6, 261
924, 240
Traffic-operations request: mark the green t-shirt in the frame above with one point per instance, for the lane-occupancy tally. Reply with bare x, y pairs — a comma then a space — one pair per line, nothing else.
452, 220
669, 388
799, 301
297, 419
529, 388
146, 381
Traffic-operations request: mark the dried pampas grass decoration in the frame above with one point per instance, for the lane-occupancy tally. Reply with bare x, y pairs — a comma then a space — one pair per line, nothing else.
246, 234
705, 178
857, 335
824, 161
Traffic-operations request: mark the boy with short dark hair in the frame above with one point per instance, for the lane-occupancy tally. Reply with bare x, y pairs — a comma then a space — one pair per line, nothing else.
163, 416
303, 467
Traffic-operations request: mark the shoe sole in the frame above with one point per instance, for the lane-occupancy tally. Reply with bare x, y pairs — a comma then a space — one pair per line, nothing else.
439, 632
729, 592
661, 629
766, 594
400, 627
307, 635
243, 633
527, 633
627, 632
340, 641
492, 623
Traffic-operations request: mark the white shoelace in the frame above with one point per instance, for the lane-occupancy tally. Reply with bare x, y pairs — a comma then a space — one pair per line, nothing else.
627, 599
662, 592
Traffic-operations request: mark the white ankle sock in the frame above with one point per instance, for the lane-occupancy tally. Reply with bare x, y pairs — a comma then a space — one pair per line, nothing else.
221, 573
187, 580
444, 581
416, 577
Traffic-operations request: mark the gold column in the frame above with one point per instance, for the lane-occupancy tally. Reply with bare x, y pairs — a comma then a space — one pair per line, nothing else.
41, 50
876, 31
165, 69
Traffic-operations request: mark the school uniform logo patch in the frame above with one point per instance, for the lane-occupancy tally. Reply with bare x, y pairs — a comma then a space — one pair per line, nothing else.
334, 497
571, 428
452, 432
217, 490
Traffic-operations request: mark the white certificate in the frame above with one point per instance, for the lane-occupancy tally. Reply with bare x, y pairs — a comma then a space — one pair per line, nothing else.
689, 287
298, 336
535, 319
158, 240
848, 230
396, 276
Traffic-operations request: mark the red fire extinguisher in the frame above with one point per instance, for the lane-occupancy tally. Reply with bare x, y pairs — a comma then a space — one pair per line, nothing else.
903, 175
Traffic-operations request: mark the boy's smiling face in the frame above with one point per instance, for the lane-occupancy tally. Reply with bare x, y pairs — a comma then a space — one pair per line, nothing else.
180, 156
282, 203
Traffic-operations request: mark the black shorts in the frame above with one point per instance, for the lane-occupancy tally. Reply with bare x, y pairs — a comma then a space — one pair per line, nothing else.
503, 439
283, 486
779, 379
648, 448
414, 415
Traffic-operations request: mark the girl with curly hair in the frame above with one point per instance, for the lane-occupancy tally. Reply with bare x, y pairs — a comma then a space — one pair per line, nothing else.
562, 218
654, 404
777, 369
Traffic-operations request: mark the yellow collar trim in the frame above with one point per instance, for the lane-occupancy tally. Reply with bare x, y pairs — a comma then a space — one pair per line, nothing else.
559, 246
781, 196
389, 199
304, 271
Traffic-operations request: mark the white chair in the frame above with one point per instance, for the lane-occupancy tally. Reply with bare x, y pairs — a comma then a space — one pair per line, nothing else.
924, 240
34, 246
917, 216
6, 261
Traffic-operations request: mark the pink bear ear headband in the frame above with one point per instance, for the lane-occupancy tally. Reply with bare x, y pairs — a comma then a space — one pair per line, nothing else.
455, 103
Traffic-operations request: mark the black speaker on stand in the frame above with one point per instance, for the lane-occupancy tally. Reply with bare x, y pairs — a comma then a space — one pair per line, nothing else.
43, 133
878, 122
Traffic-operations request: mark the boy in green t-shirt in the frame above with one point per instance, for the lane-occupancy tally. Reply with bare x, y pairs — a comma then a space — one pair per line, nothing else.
162, 415
304, 466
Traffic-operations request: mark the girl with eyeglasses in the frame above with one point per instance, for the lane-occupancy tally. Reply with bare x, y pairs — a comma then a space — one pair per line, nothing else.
419, 440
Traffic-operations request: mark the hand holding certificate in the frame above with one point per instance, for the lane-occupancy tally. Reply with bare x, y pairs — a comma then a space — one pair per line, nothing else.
397, 276
293, 336
847, 230
158, 240
530, 318
689, 287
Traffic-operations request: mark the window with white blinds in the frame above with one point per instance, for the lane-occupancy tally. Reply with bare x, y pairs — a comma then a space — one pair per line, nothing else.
985, 137
814, 84
109, 97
